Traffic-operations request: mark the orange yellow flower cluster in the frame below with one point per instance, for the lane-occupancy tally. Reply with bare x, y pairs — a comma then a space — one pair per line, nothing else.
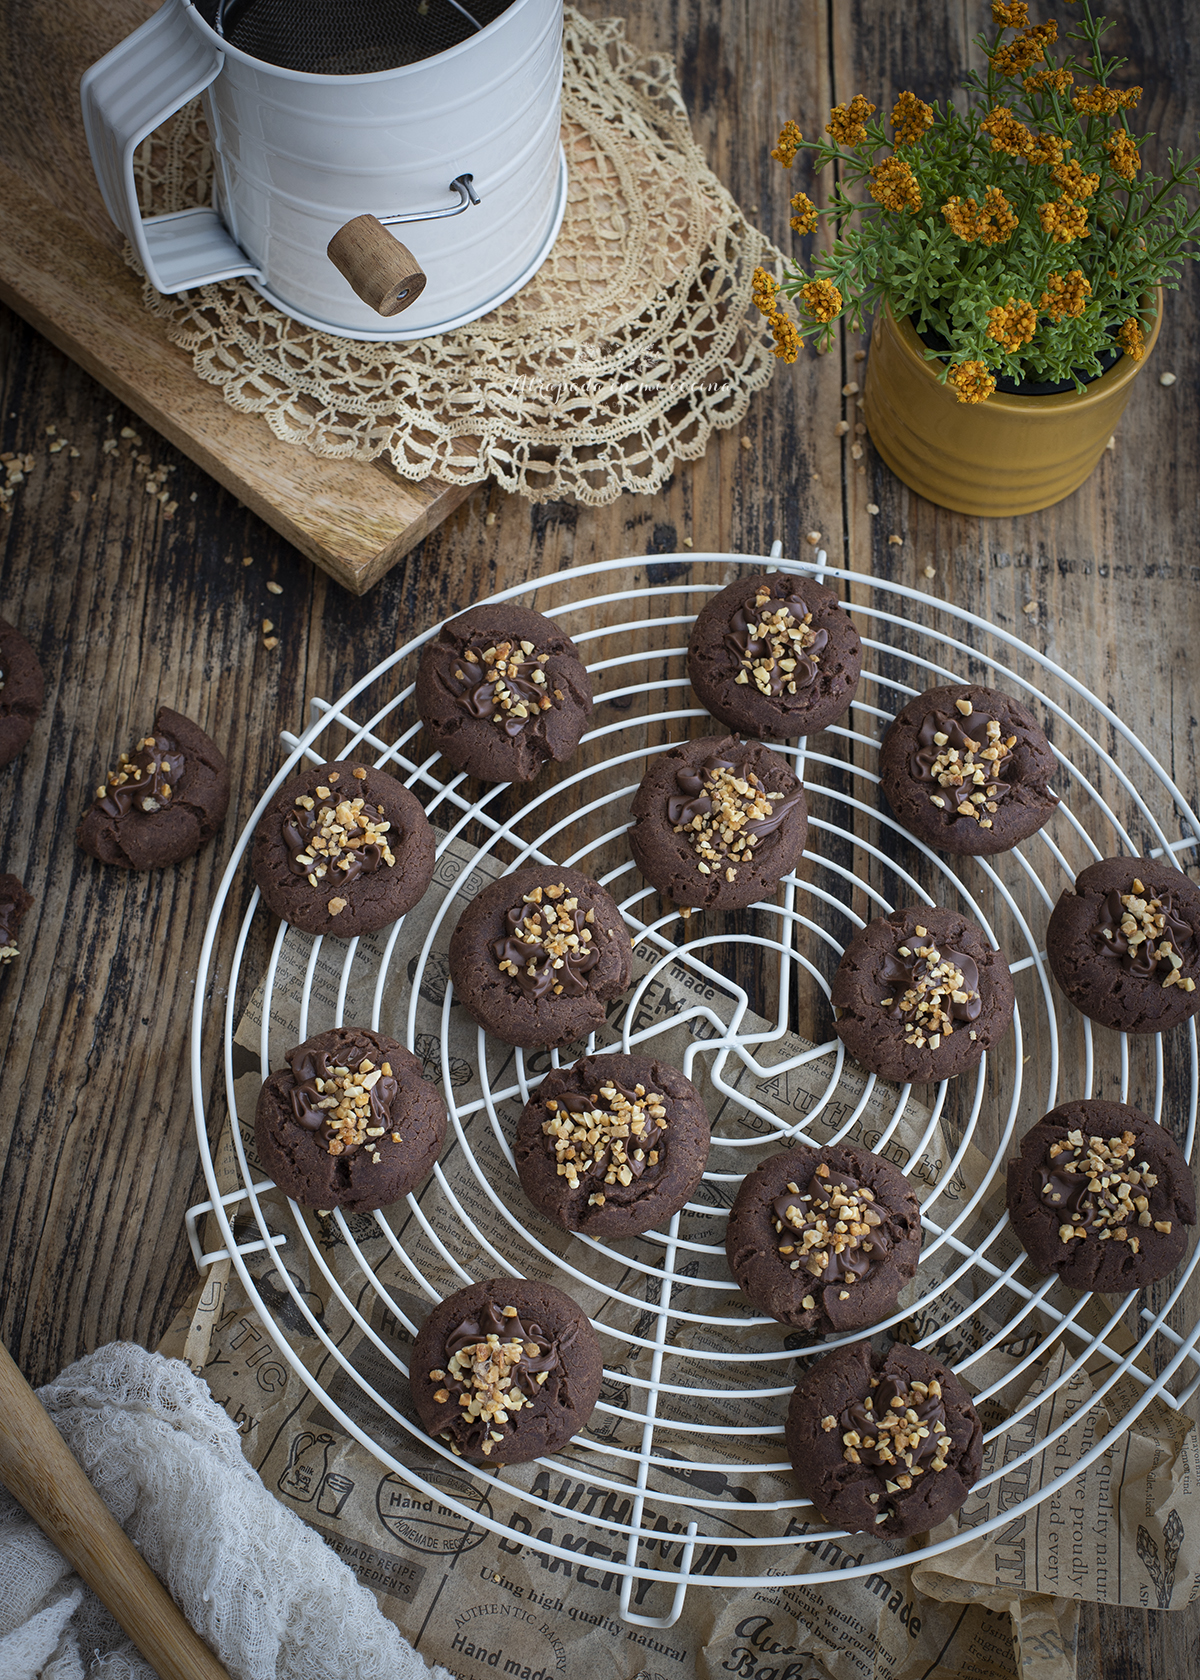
762, 294
1065, 297
1102, 101
804, 213
1012, 16
1047, 149
1027, 50
846, 122
1060, 81
1123, 155
1007, 134
1131, 338
894, 185
1064, 220
910, 118
1074, 183
972, 381
789, 143
1013, 324
991, 225
822, 299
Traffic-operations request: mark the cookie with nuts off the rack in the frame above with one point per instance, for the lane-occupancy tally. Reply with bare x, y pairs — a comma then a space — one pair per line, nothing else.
537, 955
775, 655
1124, 944
351, 1121
718, 823
921, 995
343, 849
883, 1443
160, 802
505, 1370
1102, 1196
967, 770
612, 1145
824, 1239
503, 692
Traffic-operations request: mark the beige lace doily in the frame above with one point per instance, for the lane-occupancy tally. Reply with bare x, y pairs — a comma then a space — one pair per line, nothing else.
632, 342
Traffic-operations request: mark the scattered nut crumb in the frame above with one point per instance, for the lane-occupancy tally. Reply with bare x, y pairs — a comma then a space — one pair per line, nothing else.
128, 432
75, 495
856, 451
929, 572
247, 560
1166, 379
1031, 607
896, 539
850, 389
812, 538
746, 443
193, 496
842, 427
1111, 444
270, 641
267, 626
872, 508
490, 518
687, 542
275, 588
860, 355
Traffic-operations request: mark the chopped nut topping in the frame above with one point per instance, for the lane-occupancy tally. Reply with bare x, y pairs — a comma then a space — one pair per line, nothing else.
346, 1105
604, 1136
514, 689
143, 781
933, 991
896, 1428
494, 1368
724, 811
335, 842
549, 947
1147, 934
1098, 1189
833, 1231
972, 771
774, 643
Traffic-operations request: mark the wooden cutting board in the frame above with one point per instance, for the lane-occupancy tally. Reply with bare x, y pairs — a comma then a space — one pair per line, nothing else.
61, 268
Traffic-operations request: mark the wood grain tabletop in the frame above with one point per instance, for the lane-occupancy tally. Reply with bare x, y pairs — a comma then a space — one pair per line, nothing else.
129, 608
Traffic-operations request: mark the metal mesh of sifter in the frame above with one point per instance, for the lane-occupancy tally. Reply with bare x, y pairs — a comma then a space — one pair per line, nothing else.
347, 37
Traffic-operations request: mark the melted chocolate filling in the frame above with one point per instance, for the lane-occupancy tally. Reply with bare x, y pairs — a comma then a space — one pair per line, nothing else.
545, 956
304, 1096
148, 786
929, 763
485, 1379
751, 649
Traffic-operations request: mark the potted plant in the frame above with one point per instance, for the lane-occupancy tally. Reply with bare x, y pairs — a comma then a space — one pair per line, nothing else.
1015, 255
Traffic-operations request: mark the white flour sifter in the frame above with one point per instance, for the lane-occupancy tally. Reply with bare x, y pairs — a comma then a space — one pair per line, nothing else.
332, 121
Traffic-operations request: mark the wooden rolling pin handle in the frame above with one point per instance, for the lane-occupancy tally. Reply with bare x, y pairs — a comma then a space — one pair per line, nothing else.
43, 1476
383, 272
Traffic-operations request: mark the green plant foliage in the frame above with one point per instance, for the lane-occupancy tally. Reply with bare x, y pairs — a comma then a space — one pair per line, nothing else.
1024, 231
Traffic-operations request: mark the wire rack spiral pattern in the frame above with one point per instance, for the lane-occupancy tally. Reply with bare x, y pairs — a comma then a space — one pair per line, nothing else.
1115, 797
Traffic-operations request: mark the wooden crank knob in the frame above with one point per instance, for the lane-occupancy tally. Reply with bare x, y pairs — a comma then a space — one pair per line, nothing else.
383, 272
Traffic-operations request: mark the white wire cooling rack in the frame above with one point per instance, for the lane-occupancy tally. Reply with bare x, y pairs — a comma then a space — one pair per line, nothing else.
1115, 797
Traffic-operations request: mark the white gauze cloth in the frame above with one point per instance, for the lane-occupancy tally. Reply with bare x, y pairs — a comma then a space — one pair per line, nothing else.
272, 1600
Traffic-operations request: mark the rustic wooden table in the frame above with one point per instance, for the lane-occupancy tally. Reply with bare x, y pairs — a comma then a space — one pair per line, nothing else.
128, 608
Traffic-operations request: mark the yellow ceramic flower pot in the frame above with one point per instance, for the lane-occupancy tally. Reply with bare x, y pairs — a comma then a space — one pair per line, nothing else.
1005, 456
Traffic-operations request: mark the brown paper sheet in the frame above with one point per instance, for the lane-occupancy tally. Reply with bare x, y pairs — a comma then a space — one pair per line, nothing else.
542, 1597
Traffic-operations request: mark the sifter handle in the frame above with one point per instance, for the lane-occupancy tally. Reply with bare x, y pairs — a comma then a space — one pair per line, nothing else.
44, 1477
383, 272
